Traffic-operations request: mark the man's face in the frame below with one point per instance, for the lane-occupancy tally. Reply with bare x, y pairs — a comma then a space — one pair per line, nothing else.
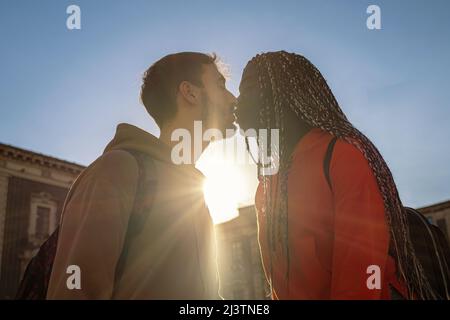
218, 103
249, 104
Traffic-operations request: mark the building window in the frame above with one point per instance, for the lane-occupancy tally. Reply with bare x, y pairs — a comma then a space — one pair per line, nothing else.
42, 218
237, 254
42, 221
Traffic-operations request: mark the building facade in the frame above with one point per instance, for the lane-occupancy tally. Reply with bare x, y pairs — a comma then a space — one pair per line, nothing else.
32, 192
439, 215
240, 267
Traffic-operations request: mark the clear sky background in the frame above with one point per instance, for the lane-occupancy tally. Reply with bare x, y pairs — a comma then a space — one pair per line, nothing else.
63, 92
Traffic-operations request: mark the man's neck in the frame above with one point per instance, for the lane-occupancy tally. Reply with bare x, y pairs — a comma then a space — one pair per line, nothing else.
166, 138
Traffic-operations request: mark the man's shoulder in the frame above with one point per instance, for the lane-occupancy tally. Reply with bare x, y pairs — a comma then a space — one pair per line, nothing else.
115, 165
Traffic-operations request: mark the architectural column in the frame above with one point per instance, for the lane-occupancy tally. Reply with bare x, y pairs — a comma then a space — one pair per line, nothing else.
3, 198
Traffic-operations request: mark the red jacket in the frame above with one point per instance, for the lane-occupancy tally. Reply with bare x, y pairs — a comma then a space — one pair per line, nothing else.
334, 235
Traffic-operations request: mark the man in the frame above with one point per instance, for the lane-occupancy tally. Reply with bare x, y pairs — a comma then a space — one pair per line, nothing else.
335, 231
171, 254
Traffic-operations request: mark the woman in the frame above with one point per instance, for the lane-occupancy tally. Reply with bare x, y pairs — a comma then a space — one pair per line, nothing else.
327, 230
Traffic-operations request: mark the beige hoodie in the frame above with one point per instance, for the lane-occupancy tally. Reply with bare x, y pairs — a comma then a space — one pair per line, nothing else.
173, 255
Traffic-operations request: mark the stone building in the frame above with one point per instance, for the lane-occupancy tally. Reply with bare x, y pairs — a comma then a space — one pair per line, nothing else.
439, 215
240, 267
32, 192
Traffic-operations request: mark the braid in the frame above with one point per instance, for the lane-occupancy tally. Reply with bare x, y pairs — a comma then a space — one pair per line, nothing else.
289, 80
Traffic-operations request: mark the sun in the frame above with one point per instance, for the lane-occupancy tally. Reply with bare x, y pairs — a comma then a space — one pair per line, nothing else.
222, 190
227, 186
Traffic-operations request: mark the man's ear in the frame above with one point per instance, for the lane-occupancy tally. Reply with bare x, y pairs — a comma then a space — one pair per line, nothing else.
189, 92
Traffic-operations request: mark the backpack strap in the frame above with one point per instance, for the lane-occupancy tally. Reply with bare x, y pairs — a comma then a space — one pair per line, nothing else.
143, 198
438, 247
143, 201
34, 283
327, 161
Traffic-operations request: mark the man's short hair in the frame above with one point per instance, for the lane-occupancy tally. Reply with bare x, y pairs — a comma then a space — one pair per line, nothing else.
161, 81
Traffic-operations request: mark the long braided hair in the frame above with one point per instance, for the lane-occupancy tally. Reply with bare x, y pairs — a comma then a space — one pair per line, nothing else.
289, 81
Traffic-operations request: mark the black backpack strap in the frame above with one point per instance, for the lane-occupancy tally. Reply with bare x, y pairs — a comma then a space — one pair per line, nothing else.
327, 160
433, 251
34, 283
143, 200
145, 192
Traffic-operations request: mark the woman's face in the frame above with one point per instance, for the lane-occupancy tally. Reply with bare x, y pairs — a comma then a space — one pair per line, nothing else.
249, 100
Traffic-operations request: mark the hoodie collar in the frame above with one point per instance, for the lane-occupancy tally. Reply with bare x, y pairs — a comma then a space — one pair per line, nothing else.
129, 137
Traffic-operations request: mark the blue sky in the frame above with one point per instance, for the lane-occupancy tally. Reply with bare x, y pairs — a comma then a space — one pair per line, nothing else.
63, 92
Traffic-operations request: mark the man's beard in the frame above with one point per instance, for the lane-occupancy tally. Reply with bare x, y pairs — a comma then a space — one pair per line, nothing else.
205, 110
215, 120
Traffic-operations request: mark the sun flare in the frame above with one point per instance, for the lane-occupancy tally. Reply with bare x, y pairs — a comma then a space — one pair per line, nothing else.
228, 185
